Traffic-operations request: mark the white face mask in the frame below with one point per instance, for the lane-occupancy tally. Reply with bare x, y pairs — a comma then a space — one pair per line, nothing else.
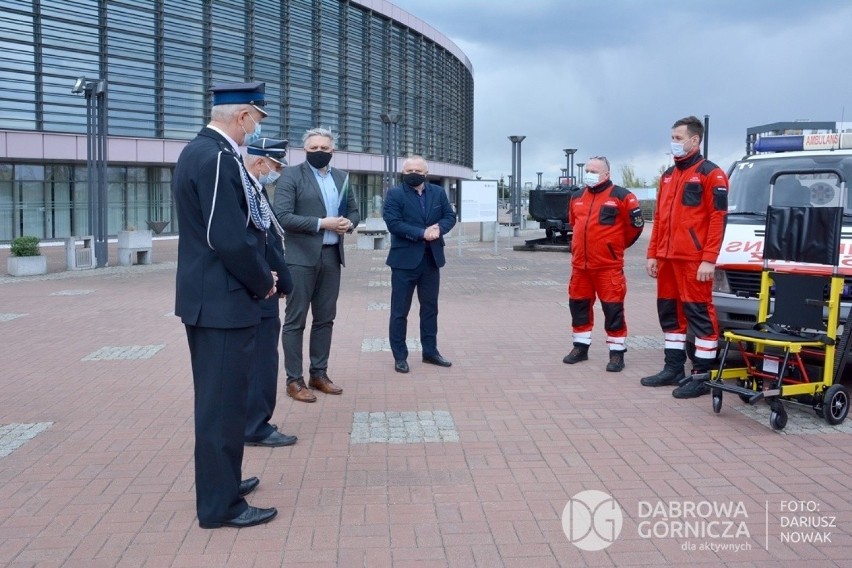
677, 150
591, 179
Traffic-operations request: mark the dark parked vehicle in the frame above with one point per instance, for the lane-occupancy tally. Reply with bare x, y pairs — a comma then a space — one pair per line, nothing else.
550, 209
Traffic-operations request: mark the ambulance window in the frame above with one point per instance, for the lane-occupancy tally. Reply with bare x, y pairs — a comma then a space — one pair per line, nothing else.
749, 182
791, 192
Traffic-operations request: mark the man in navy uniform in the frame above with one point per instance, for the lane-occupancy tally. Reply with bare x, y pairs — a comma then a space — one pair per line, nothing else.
418, 215
316, 207
222, 275
264, 161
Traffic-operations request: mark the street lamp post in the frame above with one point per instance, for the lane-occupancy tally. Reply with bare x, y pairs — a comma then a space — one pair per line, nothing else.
539, 174
580, 172
569, 158
96, 158
516, 179
390, 145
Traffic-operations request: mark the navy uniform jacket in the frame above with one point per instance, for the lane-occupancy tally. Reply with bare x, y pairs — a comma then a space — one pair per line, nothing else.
406, 223
275, 258
222, 270
299, 204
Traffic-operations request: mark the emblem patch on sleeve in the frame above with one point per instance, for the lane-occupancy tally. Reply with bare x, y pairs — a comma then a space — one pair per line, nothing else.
636, 218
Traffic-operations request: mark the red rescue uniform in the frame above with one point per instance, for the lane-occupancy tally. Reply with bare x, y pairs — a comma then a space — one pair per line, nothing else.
689, 224
606, 220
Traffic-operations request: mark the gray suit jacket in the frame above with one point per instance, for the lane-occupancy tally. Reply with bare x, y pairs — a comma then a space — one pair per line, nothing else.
299, 205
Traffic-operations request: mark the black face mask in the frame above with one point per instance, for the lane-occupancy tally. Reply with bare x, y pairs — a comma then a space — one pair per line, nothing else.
413, 179
319, 159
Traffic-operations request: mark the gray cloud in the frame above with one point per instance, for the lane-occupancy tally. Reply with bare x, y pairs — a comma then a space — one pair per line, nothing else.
611, 77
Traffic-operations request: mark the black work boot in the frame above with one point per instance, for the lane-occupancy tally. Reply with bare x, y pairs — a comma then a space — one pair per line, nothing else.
672, 371
616, 361
579, 353
694, 389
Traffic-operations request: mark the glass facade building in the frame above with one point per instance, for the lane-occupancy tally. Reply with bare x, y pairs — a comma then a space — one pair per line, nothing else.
333, 63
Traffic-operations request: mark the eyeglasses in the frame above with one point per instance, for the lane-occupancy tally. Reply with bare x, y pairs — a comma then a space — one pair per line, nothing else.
602, 159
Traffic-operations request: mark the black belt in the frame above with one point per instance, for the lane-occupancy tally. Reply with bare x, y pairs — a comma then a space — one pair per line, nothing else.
334, 245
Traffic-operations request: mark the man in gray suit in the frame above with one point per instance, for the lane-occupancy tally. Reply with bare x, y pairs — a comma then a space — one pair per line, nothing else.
316, 207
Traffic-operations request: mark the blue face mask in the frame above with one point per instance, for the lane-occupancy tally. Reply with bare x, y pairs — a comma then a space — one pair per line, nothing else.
591, 179
253, 136
270, 177
677, 150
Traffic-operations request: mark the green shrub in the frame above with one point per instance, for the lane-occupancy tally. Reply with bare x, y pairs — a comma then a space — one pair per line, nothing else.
25, 246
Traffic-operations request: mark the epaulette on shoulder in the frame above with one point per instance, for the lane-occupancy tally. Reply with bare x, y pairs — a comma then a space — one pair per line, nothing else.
706, 167
619, 192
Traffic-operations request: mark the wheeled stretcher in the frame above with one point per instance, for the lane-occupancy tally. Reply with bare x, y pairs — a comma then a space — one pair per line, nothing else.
796, 352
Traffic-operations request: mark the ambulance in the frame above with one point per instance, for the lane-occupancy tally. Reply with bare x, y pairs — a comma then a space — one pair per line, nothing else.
796, 159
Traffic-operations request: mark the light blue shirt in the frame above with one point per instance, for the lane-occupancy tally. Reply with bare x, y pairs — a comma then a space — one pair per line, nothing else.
332, 202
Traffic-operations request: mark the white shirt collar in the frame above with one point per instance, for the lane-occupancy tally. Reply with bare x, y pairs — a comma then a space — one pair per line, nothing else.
230, 140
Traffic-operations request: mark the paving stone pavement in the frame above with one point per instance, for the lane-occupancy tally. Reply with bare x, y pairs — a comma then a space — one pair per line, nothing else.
468, 466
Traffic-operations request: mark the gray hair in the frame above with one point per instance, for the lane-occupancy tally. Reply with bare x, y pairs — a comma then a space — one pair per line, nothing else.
602, 159
227, 113
251, 159
415, 158
319, 131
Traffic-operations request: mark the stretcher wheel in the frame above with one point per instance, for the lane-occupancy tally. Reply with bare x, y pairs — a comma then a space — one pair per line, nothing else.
717, 400
744, 384
778, 419
835, 404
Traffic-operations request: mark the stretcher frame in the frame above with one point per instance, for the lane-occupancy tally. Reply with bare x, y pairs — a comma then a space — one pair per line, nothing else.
781, 365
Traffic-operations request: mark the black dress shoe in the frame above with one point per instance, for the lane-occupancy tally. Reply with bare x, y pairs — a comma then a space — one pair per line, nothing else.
250, 517
274, 440
401, 366
437, 360
248, 485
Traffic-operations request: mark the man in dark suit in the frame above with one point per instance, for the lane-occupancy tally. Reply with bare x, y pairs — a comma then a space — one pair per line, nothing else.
418, 215
264, 161
222, 274
316, 206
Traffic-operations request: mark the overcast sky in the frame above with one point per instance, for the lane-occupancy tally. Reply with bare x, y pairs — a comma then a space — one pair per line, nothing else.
611, 76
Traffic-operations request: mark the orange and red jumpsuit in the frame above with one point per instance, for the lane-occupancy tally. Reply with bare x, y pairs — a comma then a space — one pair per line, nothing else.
606, 220
689, 224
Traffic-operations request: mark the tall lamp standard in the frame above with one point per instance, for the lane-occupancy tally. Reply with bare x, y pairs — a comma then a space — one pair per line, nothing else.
569, 158
390, 144
580, 172
516, 179
96, 157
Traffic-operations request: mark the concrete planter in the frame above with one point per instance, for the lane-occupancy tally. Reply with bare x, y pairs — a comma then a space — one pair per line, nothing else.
134, 239
134, 247
26, 265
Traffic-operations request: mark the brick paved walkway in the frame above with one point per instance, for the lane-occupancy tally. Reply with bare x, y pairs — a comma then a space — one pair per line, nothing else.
467, 466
